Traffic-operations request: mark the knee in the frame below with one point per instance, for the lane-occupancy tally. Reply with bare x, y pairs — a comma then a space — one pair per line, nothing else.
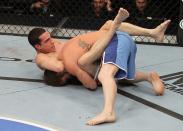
105, 75
108, 22
101, 76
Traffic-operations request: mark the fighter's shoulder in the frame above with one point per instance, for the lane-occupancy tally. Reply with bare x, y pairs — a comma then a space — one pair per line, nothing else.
42, 57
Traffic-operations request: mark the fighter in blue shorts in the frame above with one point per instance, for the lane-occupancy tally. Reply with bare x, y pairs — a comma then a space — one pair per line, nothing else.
118, 62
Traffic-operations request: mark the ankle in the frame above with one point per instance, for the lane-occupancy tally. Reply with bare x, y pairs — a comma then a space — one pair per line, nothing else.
149, 79
152, 33
109, 113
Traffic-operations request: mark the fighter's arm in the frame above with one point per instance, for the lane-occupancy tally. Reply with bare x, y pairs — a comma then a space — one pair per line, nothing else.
86, 79
45, 61
83, 77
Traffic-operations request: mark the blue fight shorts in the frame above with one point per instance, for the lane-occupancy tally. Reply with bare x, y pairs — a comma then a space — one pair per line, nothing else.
121, 52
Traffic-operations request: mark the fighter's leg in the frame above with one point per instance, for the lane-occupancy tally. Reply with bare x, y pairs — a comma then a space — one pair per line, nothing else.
153, 78
156, 33
106, 77
98, 48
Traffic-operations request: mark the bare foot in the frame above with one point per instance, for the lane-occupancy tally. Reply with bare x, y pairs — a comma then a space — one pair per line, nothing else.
159, 32
158, 85
102, 118
122, 15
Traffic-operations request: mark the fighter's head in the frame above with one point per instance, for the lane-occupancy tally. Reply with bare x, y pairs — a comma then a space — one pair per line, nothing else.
41, 40
59, 79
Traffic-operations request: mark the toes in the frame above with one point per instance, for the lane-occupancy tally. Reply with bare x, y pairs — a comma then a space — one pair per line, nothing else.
91, 123
157, 84
160, 93
166, 23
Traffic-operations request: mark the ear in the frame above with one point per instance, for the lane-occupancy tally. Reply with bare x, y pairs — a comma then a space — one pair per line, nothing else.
37, 46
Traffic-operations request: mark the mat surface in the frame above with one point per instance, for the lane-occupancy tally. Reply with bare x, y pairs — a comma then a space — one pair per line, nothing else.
24, 96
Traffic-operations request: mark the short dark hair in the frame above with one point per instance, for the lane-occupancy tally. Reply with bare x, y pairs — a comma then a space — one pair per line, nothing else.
34, 35
52, 78
55, 79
